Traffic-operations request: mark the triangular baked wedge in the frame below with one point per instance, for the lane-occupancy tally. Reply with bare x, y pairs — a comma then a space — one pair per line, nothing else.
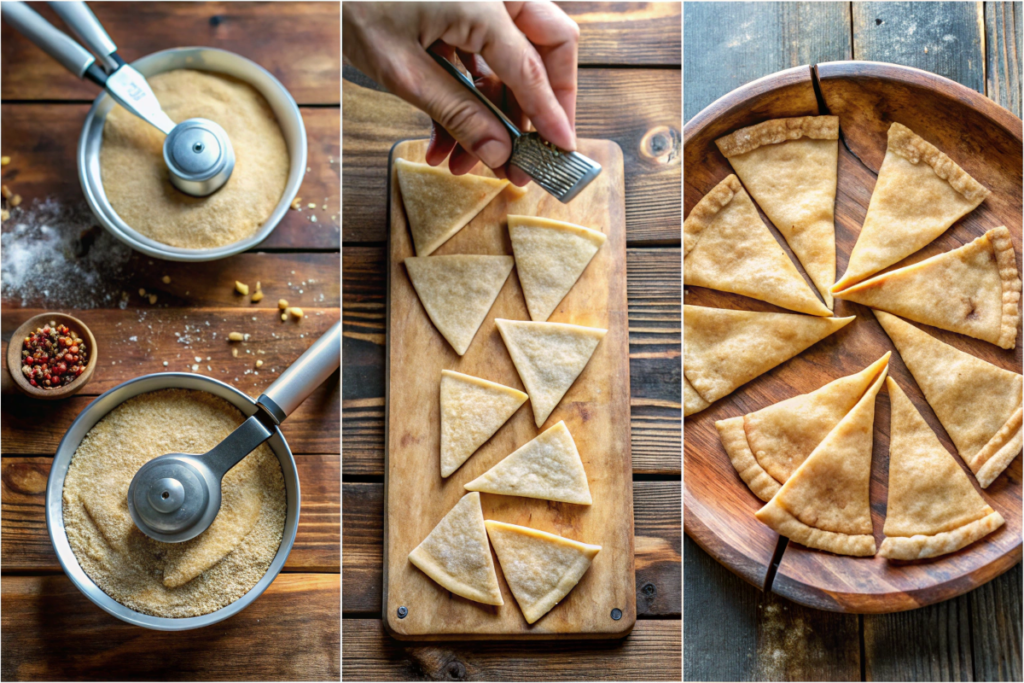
919, 193
539, 568
725, 349
726, 246
933, 508
548, 467
549, 357
973, 290
456, 554
978, 404
550, 257
826, 503
457, 291
766, 447
472, 410
789, 166
439, 204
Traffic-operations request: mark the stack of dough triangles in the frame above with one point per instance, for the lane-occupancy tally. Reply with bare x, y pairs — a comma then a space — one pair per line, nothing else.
789, 166
548, 467
766, 447
725, 349
919, 193
726, 246
438, 204
933, 509
826, 503
456, 554
457, 291
549, 357
472, 410
978, 404
540, 568
550, 257
973, 290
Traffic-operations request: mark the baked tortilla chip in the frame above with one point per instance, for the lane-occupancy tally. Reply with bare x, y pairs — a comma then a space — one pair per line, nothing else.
472, 410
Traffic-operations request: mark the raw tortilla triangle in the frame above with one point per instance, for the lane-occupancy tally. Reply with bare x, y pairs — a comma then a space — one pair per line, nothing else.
548, 467
457, 556
789, 166
725, 349
540, 568
766, 447
973, 290
439, 204
933, 509
549, 357
550, 257
472, 410
457, 291
826, 503
726, 246
919, 193
978, 404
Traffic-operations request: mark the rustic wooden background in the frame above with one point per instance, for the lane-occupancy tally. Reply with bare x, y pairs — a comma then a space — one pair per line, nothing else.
630, 92
976, 636
50, 630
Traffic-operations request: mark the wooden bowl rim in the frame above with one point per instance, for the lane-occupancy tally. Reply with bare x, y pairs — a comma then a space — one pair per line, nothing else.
14, 358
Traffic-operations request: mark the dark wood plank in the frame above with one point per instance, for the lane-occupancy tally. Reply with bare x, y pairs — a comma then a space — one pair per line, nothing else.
945, 38
27, 547
637, 108
40, 138
657, 544
651, 652
1003, 53
655, 359
619, 33
995, 617
728, 45
52, 632
299, 43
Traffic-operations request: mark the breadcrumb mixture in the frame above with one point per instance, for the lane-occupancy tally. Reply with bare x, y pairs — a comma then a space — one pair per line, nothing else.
186, 579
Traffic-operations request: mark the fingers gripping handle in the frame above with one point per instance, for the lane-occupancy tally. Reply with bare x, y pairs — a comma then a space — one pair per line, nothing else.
58, 45
307, 373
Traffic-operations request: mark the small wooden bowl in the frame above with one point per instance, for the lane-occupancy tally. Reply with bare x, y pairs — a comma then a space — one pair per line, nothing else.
15, 346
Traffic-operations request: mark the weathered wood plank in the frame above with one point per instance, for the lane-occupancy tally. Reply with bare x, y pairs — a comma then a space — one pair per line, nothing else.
656, 528
655, 359
300, 43
637, 108
42, 141
944, 38
727, 45
620, 33
291, 632
27, 547
651, 652
1003, 52
995, 615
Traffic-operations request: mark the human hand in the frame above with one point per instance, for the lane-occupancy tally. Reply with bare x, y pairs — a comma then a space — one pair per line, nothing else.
530, 47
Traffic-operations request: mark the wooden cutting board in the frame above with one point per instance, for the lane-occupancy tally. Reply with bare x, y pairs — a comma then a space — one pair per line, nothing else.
595, 409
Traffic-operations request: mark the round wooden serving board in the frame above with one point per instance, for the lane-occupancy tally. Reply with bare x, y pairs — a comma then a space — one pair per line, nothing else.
718, 508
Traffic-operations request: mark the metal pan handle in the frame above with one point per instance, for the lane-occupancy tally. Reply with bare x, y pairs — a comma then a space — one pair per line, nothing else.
303, 376
50, 40
86, 27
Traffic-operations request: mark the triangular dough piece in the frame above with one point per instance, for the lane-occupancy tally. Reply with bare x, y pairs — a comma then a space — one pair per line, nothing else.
973, 290
725, 349
826, 503
790, 166
472, 410
457, 556
919, 193
550, 257
549, 357
457, 291
540, 568
439, 204
978, 404
726, 246
548, 467
933, 509
766, 447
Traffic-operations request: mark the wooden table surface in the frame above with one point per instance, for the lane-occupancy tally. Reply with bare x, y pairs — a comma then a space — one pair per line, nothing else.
50, 631
973, 637
630, 84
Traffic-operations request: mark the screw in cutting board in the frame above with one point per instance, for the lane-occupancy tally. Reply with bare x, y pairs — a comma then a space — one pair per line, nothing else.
402, 611
616, 614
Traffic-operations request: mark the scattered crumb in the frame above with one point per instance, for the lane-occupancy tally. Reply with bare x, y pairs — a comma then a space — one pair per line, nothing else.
142, 292
235, 336
282, 304
259, 364
5, 160
257, 297
152, 298
296, 312
166, 279
242, 288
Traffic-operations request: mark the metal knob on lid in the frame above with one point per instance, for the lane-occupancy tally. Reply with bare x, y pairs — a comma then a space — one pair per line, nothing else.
171, 496
199, 157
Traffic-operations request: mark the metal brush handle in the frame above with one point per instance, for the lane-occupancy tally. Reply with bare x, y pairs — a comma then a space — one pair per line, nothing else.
465, 81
